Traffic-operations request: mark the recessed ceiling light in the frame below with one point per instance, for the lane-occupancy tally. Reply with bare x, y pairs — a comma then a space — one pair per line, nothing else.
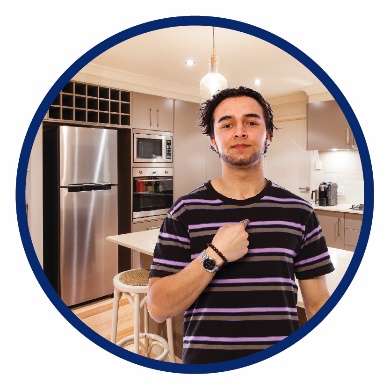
190, 62
257, 82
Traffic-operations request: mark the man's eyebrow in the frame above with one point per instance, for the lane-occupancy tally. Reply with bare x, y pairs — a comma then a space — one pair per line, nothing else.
250, 115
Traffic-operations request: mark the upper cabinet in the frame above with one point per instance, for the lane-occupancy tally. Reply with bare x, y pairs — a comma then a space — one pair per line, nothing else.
327, 127
151, 112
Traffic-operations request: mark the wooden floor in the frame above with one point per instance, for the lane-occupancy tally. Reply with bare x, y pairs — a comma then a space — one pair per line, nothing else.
97, 315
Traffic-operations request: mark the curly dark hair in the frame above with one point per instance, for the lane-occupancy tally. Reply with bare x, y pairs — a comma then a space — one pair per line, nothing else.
206, 111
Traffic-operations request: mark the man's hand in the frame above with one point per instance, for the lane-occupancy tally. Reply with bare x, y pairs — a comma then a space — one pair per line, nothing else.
232, 240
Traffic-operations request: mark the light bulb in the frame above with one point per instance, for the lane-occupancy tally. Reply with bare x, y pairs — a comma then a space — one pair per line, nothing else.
212, 82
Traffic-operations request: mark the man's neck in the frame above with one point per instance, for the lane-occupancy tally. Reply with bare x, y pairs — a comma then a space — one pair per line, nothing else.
240, 183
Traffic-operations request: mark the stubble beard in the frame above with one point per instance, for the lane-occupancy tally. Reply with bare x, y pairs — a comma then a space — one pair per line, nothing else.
241, 161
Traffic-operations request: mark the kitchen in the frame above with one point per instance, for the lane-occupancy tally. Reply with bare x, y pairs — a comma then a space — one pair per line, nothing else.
312, 166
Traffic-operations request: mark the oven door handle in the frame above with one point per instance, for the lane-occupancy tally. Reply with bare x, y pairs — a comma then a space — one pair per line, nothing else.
152, 179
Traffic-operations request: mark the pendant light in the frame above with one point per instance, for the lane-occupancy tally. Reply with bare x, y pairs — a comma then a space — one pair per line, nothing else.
213, 81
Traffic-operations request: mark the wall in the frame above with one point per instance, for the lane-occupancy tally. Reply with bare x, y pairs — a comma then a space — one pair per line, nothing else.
34, 196
344, 168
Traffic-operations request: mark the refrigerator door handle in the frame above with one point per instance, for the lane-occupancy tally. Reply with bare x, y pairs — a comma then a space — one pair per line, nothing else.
89, 187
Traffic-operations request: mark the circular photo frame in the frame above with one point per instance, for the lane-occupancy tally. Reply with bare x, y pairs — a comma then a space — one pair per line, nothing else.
176, 22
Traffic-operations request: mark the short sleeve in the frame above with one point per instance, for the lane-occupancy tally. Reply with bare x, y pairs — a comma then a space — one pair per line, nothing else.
313, 259
172, 252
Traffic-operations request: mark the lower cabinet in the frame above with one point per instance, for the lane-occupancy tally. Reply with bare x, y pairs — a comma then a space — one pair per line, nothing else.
353, 223
341, 230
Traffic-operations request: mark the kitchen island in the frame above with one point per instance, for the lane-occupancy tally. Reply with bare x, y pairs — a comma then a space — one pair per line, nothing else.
145, 241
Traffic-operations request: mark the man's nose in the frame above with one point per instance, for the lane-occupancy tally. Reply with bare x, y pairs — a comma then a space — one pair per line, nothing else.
240, 130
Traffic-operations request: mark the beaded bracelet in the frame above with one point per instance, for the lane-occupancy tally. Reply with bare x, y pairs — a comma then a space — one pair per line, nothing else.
218, 253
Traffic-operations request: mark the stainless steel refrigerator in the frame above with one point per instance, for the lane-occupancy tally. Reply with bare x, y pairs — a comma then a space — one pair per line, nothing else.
80, 205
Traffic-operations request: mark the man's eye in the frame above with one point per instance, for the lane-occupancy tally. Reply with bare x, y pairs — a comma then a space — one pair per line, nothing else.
226, 126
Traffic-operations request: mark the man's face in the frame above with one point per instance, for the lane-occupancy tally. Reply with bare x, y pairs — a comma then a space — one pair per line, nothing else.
240, 131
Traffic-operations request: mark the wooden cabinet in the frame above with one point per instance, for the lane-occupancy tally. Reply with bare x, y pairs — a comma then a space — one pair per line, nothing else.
151, 112
327, 127
353, 223
332, 224
81, 103
341, 230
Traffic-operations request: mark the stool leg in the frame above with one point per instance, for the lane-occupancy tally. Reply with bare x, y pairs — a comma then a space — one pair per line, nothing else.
114, 321
136, 322
146, 324
170, 340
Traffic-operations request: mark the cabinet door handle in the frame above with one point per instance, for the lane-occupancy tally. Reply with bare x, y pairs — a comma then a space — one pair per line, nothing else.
150, 116
348, 137
158, 118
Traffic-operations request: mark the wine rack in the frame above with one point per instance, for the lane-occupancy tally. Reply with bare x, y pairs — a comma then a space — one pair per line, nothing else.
93, 104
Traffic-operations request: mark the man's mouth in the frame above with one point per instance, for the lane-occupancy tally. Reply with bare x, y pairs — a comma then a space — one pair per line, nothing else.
240, 146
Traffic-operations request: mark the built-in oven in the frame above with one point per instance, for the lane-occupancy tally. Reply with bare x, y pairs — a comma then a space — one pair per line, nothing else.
152, 147
152, 192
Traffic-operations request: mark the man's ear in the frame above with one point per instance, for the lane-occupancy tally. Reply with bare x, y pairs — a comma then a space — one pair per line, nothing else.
268, 139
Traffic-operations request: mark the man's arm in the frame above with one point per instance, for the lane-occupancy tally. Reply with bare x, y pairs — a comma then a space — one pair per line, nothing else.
171, 295
314, 293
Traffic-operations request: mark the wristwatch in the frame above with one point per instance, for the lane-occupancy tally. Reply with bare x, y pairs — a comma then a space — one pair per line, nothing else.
209, 263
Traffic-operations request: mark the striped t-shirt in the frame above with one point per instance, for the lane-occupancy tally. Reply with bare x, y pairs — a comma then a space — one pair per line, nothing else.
251, 303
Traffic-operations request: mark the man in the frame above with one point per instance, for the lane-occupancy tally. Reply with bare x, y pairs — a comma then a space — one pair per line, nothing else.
229, 252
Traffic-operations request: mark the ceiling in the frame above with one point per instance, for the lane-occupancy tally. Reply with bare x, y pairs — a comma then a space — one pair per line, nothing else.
158, 58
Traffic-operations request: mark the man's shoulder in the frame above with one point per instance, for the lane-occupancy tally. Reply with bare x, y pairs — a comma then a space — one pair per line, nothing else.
278, 191
201, 195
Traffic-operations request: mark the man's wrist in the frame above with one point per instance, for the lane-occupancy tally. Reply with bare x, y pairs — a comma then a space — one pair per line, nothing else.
218, 260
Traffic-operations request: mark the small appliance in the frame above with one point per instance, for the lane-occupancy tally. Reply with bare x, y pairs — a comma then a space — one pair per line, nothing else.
327, 194
153, 147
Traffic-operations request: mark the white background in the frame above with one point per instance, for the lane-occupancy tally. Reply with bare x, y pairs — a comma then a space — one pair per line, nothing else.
41, 39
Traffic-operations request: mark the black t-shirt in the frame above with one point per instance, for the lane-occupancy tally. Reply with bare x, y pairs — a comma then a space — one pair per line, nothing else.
251, 303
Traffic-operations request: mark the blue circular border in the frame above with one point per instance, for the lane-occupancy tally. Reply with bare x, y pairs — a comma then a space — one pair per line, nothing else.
175, 22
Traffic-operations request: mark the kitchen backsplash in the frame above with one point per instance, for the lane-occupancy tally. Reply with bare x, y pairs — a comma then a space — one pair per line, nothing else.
343, 168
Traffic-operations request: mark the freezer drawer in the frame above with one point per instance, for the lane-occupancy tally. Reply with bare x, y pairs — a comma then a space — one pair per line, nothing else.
88, 262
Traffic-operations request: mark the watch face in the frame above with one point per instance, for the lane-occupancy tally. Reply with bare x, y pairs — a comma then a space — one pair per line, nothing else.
209, 264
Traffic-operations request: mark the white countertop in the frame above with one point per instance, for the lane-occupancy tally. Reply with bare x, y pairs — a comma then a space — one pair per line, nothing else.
145, 242
341, 208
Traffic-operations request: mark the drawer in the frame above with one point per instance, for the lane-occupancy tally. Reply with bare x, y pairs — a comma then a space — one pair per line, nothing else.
146, 225
353, 221
351, 237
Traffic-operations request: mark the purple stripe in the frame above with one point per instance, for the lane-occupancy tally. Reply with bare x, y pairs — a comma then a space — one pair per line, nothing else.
196, 201
242, 310
312, 259
252, 280
271, 223
233, 339
279, 250
313, 232
285, 200
172, 236
169, 262
208, 225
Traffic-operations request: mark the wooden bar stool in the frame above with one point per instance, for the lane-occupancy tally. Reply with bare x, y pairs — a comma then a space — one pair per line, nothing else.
133, 284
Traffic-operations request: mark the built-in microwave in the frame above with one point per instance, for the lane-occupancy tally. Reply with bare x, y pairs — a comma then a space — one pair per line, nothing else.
152, 146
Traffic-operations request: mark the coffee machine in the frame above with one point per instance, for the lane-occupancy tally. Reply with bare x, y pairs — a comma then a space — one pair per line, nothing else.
327, 194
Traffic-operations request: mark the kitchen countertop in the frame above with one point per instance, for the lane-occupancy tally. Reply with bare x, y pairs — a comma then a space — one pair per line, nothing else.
341, 208
145, 242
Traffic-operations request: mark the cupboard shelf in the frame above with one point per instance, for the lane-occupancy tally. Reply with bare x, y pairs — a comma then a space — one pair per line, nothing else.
91, 104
